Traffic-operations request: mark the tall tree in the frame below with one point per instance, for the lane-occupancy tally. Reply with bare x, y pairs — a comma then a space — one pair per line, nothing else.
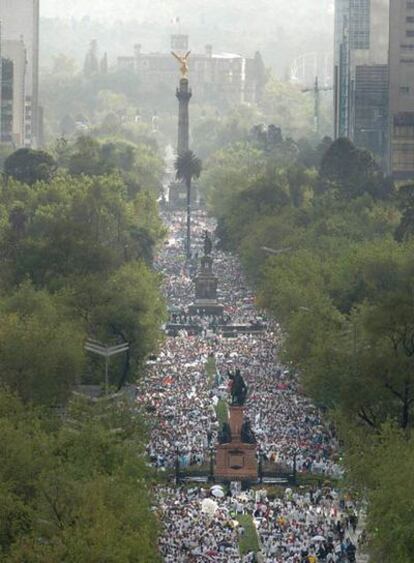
188, 166
41, 347
405, 200
74, 226
353, 172
125, 308
91, 66
30, 166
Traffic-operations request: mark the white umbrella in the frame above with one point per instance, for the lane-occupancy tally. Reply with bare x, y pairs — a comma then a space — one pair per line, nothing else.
216, 487
217, 492
318, 538
209, 507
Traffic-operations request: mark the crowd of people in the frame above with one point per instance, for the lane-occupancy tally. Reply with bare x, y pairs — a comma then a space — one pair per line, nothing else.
178, 396
192, 533
289, 428
297, 527
312, 526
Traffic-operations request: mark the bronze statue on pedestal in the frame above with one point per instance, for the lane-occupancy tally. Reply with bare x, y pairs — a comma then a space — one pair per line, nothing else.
208, 244
238, 389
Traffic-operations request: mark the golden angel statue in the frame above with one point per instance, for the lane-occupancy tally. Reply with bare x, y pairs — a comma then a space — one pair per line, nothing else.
183, 60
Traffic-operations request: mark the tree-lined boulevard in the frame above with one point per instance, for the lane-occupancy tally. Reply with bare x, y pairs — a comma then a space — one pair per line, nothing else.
327, 250
179, 399
310, 247
107, 291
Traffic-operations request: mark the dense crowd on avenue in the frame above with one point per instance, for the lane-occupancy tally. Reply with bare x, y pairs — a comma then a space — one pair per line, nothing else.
179, 398
295, 528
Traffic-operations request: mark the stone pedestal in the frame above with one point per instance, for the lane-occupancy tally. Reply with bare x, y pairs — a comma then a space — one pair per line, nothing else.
236, 422
206, 308
206, 302
236, 461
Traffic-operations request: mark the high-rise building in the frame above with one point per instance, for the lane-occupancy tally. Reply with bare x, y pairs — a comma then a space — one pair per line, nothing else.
401, 89
371, 109
360, 73
20, 22
341, 68
14, 53
7, 93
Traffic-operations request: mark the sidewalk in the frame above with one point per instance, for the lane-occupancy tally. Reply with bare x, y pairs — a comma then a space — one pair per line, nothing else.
361, 557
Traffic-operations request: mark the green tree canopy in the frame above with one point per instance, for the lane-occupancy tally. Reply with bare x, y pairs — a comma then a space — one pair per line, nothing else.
41, 347
74, 227
353, 171
30, 166
138, 164
380, 465
126, 307
78, 491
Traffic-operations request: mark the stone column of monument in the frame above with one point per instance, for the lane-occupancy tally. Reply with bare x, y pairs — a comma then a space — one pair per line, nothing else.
184, 95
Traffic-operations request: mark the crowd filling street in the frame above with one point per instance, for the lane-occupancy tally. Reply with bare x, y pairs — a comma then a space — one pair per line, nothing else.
297, 527
178, 397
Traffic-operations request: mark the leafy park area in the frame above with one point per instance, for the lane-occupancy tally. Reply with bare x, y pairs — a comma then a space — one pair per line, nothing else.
76, 245
78, 229
74, 490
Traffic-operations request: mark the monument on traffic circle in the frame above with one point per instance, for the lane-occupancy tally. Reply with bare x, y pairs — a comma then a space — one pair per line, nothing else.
177, 191
184, 96
236, 458
206, 302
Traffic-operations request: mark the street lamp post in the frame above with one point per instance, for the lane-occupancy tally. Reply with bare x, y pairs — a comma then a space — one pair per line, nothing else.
261, 465
295, 469
107, 352
177, 466
211, 475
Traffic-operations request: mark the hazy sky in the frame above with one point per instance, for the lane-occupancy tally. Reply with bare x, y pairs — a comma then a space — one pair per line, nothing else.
280, 29
113, 9
160, 9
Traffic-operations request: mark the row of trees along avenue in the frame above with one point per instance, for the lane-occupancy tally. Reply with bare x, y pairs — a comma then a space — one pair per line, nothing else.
78, 229
328, 242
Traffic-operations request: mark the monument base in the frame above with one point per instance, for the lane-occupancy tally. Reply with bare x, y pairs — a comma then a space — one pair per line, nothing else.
236, 461
206, 307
